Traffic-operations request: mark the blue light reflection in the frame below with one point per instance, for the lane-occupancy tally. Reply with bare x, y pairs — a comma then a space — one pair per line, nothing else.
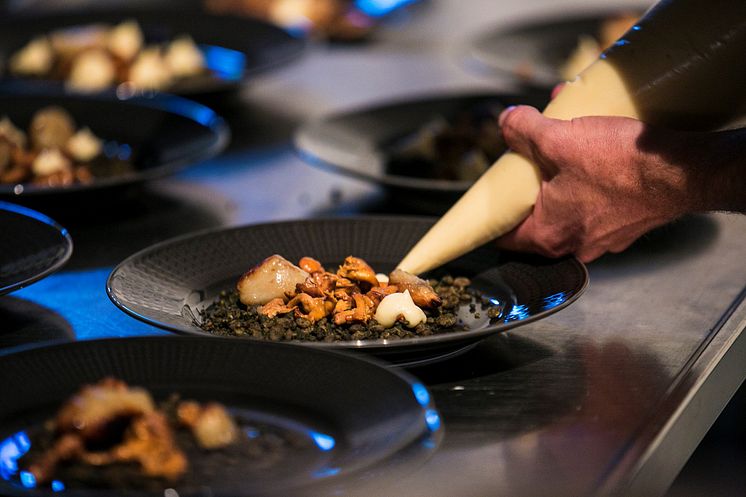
252, 432
57, 486
125, 152
518, 313
224, 62
25, 211
378, 8
554, 300
429, 443
421, 394
432, 418
12, 449
324, 472
28, 480
323, 441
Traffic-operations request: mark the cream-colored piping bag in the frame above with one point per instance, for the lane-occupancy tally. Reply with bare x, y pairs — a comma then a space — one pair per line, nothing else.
682, 66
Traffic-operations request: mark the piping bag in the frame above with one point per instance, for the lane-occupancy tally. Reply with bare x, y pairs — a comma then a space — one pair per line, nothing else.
683, 66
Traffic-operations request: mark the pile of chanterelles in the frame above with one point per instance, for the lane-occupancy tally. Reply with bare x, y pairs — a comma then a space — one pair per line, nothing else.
110, 422
354, 294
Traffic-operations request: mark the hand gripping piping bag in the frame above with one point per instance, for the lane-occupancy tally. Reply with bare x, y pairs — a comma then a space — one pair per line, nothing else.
682, 66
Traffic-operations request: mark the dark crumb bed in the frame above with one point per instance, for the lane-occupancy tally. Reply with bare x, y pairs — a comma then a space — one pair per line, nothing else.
267, 447
229, 317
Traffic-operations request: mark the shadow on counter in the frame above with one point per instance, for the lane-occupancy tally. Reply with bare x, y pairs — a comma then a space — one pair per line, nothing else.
25, 322
253, 124
681, 239
110, 229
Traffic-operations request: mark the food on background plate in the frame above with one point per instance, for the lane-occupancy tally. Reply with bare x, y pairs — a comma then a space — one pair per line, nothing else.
55, 152
334, 19
278, 300
113, 435
97, 56
590, 47
460, 148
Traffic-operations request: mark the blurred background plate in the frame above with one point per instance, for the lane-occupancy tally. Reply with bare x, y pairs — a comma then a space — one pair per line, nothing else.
235, 48
170, 283
350, 418
363, 142
32, 246
535, 51
156, 134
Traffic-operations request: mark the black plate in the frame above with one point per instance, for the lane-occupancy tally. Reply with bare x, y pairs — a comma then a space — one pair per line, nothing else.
235, 48
360, 142
168, 284
32, 246
535, 50
160, 133
357, 417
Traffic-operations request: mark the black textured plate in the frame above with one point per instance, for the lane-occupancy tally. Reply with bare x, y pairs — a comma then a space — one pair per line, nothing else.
170, 283
360, 142
159, 134
534, 50
351, 418
32, 246
235, 48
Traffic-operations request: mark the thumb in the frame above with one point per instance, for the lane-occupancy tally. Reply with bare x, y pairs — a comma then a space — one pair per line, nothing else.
522, 127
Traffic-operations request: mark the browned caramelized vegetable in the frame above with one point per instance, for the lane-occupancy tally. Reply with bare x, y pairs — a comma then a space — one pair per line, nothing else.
273, 278
420, 290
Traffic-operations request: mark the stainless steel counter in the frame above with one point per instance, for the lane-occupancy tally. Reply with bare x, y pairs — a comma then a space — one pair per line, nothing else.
609, 396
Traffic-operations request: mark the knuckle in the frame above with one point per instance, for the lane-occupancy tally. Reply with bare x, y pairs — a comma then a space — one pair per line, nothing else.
555, 243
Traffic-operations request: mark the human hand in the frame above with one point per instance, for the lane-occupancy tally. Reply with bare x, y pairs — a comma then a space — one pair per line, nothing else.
607, 181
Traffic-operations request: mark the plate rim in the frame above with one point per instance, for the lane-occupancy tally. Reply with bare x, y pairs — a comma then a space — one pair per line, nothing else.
339, 345
474, 52
303, 144
67, 241
170, 104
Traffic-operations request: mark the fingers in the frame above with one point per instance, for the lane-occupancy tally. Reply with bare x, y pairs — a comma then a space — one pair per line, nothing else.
530, 134
556, 90
520, 239
520, 127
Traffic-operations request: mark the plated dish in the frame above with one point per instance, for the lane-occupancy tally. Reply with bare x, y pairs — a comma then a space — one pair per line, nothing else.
184, 54
543, 52
277, 300
427, 151
32, 246
61, 143
341, 20
297, 419
171, 284
54, 151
